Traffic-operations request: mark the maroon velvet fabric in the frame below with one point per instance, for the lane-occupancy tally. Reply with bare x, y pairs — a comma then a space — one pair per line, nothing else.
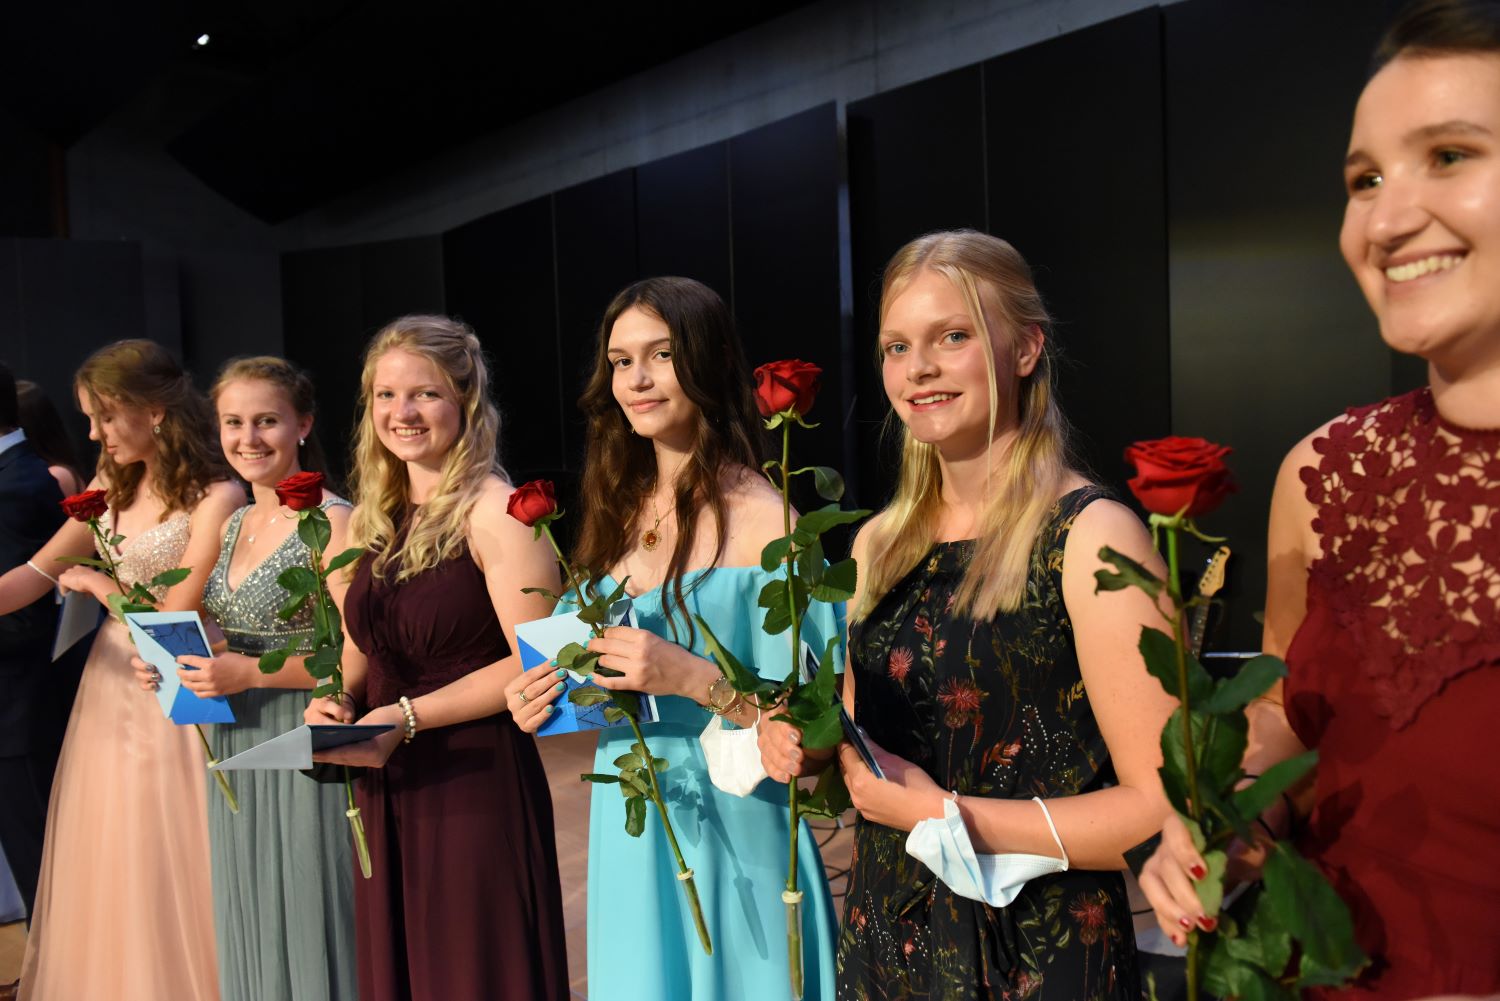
1395, 681
465, 900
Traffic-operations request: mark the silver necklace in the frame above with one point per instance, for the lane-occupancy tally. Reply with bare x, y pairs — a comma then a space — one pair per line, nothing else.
268, 523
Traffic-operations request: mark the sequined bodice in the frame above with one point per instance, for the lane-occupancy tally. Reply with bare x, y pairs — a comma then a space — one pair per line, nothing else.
247, 613
1407, 517
155, 550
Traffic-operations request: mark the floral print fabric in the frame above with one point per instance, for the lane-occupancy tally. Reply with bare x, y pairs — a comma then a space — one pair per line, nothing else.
999, 709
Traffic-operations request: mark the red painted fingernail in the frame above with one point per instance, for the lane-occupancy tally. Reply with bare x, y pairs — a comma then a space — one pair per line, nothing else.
1208, 924
1198, 871
1179, 940
1185, 923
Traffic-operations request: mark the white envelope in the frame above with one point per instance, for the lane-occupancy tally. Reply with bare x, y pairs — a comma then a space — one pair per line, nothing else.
295, 749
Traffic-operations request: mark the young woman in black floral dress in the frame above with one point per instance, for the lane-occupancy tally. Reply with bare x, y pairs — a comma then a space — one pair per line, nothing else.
983, 665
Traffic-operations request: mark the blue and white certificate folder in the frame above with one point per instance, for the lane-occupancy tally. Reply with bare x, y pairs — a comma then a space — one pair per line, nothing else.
542, 638
162, 637
294, 749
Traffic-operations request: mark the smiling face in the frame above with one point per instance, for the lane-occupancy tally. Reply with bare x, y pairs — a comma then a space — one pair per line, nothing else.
122, 431
1422, 228
934, 369
644, 381
259, 430
414, 410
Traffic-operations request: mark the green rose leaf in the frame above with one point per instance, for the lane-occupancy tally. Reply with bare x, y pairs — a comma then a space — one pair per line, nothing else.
326, 691
1211, 887
1127, 573
774, 553
588, 695
345, 558
828, 482
542, 591
313, 529
599, 777
635, 815
630, 760
815, 523
627, 702
613, 714
323, 662
1260, 942
87, 561
292, 607
1226, 976
659, 765
838, 582
829, 798
811, 565
741, 678
1160, 654
273, 660
1252, 679
824, 732
1303, 903
298, 580
572, 656
1252, 800
170, 578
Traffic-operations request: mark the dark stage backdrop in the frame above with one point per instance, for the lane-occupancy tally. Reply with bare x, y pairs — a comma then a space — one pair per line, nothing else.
1172, 176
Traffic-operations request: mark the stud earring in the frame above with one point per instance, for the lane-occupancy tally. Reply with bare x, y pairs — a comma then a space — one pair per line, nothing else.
156, 429
302, 441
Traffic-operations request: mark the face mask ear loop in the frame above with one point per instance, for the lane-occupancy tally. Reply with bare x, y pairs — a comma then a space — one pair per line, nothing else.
1053, 828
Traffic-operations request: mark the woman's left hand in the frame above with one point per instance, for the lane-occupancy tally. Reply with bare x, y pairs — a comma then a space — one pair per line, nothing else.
374, 752
80, 578
225, 674
904, 798
646, 662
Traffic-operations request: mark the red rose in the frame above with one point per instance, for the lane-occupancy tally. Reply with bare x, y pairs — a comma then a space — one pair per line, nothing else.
1184, 475
786, 385
301, 491
532, 502
89, 504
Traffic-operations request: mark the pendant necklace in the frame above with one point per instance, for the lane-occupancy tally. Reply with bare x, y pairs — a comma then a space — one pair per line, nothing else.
268, 523
651, 538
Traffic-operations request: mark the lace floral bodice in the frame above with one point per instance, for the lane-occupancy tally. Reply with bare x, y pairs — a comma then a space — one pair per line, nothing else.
155, 550
1410, 566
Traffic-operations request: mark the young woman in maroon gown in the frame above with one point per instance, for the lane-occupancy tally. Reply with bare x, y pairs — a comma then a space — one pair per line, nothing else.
1384, 583
465, 900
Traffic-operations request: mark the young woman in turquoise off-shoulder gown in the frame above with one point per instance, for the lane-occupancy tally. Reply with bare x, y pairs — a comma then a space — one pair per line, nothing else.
673, 501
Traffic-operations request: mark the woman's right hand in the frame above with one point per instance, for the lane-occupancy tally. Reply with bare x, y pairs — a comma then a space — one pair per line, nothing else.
1167, 880
145, 675
782, 754
530, 694
322, 712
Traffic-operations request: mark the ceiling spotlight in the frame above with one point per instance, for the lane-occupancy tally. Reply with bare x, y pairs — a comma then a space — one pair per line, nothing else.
200, 41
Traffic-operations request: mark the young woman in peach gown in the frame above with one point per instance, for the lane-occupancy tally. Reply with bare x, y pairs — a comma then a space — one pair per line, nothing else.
123, 908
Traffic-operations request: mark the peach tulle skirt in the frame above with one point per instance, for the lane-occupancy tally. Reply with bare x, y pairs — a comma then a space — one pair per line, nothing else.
124, 909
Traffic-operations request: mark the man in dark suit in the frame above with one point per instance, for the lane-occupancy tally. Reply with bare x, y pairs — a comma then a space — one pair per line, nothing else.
35, 694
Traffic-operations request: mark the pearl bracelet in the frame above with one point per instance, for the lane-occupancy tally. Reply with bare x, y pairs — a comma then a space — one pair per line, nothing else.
410, 716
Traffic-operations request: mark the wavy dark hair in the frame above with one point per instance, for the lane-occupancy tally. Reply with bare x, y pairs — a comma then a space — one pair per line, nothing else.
45, 430
139, 373
1440, 27
619, 467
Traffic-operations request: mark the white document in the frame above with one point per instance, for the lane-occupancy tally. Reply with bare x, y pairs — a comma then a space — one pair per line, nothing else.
78, 616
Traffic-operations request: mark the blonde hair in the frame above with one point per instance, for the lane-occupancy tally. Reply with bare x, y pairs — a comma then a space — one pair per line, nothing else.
379, 482
998, 290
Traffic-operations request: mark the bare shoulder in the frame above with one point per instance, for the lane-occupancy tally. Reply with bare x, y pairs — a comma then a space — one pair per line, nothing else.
755, 516
220, 500
490, 515
1106, 522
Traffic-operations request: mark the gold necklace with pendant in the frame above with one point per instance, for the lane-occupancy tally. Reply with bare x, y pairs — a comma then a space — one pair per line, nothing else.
651, 538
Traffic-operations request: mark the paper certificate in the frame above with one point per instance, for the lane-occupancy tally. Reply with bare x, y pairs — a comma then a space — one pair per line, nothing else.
541, 639
162, 637
295, 749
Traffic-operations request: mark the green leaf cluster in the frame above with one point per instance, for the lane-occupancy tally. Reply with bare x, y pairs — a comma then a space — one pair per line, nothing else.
635, 782
1292, 932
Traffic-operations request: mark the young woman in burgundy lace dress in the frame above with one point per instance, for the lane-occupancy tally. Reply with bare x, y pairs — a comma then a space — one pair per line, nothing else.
465, 900
1384, 589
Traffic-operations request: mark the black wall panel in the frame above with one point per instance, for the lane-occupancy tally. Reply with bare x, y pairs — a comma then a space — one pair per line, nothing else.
594, 226
1076, 184
500, 281
916, 164
1270, 336
785, 179
682, 217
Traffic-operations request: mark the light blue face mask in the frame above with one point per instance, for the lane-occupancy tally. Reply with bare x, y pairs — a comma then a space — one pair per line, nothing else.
942, 844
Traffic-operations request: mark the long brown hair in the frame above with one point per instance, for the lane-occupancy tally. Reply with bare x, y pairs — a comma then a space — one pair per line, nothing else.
297, 385
140, 374
1003, 300
379, 482
619, 467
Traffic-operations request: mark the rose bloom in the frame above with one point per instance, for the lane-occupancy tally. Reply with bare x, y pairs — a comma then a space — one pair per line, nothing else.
1180, 475
301, 491
531, 502
786, 385
89, 504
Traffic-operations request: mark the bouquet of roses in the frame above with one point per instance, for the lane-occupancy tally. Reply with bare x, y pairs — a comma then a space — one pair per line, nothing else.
534, 504
308, 586
88, 507
784, 392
